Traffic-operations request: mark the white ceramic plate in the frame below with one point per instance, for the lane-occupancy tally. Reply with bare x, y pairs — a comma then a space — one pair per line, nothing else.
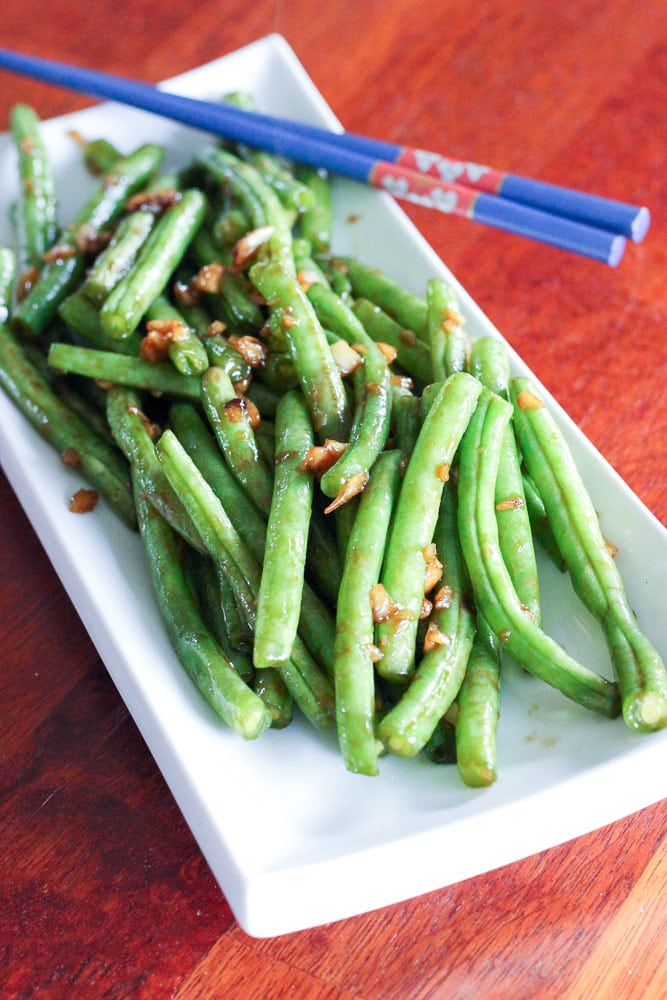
292, 838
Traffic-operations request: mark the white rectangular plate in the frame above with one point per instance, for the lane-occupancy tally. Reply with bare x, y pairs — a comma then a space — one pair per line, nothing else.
292, 838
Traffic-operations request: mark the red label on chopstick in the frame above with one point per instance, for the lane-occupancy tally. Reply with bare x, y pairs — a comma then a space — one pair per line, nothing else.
421, 189
452, 171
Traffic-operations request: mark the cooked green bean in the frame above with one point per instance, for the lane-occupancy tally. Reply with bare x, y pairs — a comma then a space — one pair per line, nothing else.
36, 211
316, 221
354, 650
447, 338
215, 677
227, 414
114, 262
492, 587
641, 673
130, 428
372, 425
412, 354
416, 517
406, 308
159, 256
478, 710
489, 362
409, 725
107, 366
220, 612
196, 438
281, 587
318, 375
100, 464
539, 523
491, 366
212, 522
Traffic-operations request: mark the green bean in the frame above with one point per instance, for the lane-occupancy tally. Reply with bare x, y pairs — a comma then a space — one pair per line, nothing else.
159, 256
407, 728
36, 216
208, 587
211, 671
58, 277
107, 366
416, 518
489, 362
100, 464
370, 437
354, 650
316, 221
212, 522
227, 414
494, 594
402, 305
491, 366
118, 257
406, 419
318, 375
641, 673
196, 438
131, 430
338, 316
411, 353
539, 523
186, 351
280, 592
447, 338
478, 711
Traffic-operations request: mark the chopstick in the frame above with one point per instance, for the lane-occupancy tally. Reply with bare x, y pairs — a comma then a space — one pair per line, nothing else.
356, 157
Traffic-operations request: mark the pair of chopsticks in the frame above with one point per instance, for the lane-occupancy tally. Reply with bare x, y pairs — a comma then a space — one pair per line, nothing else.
571, 220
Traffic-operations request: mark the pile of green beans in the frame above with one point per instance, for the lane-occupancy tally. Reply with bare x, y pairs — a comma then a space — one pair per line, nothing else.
340, 496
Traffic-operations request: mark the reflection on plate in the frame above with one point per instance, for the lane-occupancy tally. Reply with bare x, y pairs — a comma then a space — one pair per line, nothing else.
293, 839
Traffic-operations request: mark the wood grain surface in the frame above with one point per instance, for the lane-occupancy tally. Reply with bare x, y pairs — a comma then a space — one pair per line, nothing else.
103, 891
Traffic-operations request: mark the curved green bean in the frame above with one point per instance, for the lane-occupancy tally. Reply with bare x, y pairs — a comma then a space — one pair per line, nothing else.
215, 677
641, 673
490, 580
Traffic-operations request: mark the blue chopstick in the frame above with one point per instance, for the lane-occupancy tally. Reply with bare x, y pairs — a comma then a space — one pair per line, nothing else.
339, 154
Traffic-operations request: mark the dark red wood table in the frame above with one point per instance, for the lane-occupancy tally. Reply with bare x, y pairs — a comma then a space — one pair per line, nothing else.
103, 891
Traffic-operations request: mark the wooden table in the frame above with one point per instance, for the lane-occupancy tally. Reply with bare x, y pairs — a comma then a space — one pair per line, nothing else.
103, 892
